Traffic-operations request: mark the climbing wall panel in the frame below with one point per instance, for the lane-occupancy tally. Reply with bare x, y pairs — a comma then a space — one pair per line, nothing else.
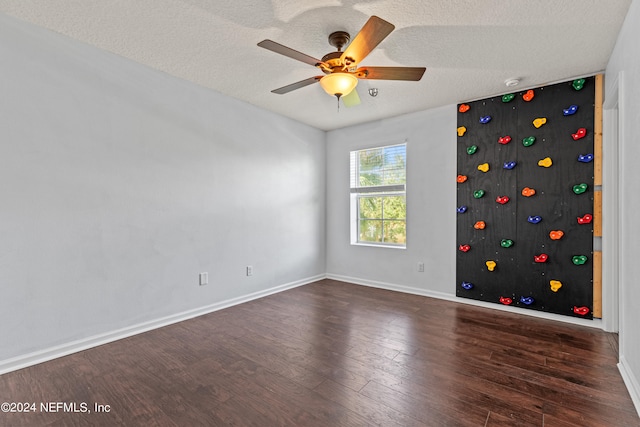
525, 199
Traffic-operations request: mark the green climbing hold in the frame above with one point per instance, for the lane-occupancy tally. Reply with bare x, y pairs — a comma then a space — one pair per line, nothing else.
506, 243
472, 149
508, 97
478, 194
578, 84
579, 259
528, 141
580, 188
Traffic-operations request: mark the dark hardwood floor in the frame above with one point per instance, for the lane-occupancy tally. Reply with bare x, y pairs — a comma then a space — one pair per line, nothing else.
336, 354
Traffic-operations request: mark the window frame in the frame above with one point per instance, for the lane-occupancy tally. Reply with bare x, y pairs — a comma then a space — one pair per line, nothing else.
358, 192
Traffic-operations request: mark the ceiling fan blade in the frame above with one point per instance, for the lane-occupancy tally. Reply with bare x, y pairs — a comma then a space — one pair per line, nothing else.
287, 51
297, 85
351, 99
370, 36
390, 73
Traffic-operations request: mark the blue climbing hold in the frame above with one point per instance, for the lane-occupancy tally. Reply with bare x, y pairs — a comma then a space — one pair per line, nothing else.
527, 300
585, 158
534, 219
570, 111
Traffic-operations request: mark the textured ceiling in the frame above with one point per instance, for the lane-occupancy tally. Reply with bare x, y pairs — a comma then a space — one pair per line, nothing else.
469, 47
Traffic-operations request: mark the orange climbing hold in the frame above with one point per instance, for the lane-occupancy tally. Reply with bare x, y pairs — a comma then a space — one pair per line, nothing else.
480, 225
528, 96
464, 108
461, 178
556, 234
528, 192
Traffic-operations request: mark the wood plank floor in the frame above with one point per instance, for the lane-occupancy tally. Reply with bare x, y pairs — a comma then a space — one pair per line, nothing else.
336, 354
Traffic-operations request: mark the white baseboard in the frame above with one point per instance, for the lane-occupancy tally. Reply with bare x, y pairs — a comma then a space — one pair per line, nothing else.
47, 354
630, 380
391, 287
595, 323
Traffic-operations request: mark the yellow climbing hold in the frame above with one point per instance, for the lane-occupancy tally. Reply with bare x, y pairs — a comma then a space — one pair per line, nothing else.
491, 265
555, 285
461, 130
483, 167
539, 122
546, 162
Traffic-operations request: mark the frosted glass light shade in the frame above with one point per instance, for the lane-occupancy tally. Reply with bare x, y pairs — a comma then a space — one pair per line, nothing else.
338, 84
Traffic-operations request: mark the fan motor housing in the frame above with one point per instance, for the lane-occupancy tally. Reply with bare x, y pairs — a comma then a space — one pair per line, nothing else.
338, 39
333, 61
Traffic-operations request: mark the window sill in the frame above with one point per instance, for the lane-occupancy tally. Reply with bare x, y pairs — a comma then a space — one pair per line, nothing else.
374, 245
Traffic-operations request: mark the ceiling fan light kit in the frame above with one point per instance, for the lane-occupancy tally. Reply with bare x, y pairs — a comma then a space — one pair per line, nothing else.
341, 68
339, 83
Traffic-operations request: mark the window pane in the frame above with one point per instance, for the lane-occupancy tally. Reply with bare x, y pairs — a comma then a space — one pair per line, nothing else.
394, 207
370, 207
382, 166
395, 159
395, 232
370, 167
371, 230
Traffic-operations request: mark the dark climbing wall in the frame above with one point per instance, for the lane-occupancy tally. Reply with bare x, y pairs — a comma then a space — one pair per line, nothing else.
530, 181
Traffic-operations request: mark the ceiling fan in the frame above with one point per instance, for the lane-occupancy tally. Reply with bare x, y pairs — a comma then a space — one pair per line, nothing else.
341, 68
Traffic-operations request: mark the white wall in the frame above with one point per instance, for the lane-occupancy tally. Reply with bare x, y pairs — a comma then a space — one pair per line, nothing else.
623, 72
431, 202
120, 184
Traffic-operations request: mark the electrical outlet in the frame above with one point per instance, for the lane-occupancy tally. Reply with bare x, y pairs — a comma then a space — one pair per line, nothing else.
421, 267
204, 279
249, 270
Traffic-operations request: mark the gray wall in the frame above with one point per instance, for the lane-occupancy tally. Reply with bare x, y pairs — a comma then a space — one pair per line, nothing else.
431, 202
623, 73
120, 184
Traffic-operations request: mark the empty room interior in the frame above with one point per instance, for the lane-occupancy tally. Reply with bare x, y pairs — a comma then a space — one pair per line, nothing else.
247, 213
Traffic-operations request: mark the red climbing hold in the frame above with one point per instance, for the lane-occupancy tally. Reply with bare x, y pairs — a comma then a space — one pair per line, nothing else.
580, 133
502, 199
541, 258
464, 248
585, 219
506, 300
504, 140
581, 310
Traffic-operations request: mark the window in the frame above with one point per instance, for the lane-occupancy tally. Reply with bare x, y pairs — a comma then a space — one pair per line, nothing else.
378, 196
